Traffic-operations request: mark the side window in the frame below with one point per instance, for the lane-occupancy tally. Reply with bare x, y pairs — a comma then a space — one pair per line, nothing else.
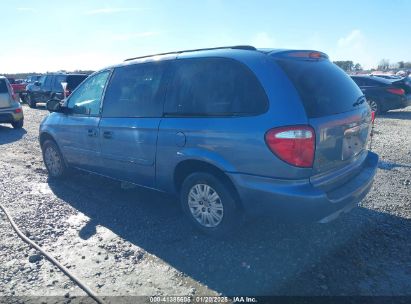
42, 79
3, 86
47, 83
358, 81
371, 83
57, 83
87, 98
136, 91
214, 87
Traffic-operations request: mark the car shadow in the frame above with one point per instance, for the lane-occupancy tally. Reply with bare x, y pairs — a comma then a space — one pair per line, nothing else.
396, 115
263, 258
8, 134
40, 106
387, 165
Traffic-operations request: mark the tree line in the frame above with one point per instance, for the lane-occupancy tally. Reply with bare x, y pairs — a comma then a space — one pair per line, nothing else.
24, 75
384, 65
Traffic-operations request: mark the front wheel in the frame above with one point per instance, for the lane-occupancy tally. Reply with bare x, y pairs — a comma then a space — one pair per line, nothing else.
30, 101
53, 159
209, 204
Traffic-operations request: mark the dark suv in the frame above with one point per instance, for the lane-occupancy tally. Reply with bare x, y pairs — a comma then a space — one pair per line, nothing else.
227, 130
50, 87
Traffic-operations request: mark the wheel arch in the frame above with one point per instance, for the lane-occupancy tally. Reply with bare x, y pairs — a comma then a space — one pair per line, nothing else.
46, 136
189, 166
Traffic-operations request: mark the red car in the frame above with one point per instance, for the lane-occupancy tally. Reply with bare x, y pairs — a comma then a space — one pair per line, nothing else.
18, 85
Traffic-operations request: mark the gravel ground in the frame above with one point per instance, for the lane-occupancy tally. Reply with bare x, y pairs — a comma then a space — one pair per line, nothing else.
134, 242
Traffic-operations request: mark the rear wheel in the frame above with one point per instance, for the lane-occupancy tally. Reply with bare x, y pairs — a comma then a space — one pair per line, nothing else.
375, 106
53, 159
18, 124
209, 204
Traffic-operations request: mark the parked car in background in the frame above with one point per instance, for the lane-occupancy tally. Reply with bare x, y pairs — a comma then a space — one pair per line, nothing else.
10, 110
386, 76
404, 83
32, 78
18, 86
383, 94
29, 80
50, 87
228, 130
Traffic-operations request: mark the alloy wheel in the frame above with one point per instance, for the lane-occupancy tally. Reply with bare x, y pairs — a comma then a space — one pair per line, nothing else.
205, 205
53, 161
373, 105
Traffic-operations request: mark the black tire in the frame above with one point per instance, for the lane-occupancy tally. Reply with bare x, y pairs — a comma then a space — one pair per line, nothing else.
232, 217
30, 101
21, 98
18, 124
60, 170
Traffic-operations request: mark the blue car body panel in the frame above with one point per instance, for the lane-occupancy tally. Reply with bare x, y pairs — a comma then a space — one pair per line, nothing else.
147, 151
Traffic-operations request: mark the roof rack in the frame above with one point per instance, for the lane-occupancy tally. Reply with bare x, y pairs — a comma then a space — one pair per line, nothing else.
237, 47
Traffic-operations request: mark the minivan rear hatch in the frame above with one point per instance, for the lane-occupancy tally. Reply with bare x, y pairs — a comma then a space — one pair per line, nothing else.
335, 108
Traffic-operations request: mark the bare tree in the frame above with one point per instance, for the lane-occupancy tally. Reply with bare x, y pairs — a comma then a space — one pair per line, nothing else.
384, 65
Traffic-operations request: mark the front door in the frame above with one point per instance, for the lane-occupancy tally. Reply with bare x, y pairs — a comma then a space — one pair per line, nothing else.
132, 111
38, 90
78, 130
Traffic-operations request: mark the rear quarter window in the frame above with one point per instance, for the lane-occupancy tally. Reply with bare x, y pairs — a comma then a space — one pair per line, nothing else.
73, 81
324, 88
3, 86
57, 87
214, 87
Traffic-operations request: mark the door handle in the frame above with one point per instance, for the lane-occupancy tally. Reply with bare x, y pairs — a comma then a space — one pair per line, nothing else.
107, 134
91, 132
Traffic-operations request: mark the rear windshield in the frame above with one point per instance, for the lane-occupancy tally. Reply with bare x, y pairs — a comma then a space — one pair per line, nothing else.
3, 86
324, 88
74, 80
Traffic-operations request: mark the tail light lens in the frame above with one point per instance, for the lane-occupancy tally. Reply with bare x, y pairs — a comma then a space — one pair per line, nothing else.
396, 91
18, 110
372, 116
295, 145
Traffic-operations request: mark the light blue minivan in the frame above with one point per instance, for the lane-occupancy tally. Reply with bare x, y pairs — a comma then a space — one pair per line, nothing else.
230, 131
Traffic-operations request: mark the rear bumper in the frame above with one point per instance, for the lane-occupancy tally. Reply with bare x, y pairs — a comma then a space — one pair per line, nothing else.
397, 103
8, 115
299, 199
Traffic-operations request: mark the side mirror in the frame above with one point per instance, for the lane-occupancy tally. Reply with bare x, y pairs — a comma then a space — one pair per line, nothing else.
54, 105
36, 83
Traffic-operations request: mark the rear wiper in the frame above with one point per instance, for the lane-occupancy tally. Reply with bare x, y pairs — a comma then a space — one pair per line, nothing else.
359, 101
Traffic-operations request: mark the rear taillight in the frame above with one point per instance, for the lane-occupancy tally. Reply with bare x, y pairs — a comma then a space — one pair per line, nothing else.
396, 91
13, 95
294, 145
372, 116
18, 110
306, 54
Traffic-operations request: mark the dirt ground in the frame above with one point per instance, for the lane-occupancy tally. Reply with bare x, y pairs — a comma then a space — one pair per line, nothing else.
134, 242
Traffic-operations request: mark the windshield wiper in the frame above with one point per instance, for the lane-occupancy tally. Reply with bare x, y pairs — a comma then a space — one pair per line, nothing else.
359, 101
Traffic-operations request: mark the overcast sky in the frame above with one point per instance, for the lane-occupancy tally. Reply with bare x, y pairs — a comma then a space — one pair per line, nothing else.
45, 35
